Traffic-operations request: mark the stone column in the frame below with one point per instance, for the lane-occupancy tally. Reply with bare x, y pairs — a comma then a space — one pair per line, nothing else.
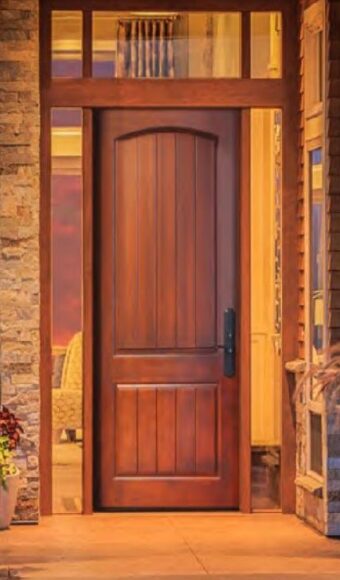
19, 234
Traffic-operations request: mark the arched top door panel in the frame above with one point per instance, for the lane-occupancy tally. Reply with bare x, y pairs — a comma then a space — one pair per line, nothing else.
165, 250
159, 130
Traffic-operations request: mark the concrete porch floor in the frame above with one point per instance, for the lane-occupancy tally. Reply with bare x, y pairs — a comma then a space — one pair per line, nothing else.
169, 546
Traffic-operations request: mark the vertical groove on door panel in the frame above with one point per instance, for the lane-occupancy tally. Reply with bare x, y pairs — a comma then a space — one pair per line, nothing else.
185, 431
146, 430
185, 166
126, 243
145, 320
206, 430
205, 243
126, 431
166, 243
166, 430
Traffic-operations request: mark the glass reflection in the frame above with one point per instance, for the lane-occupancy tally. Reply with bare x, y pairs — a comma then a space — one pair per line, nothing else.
67, 44
316, 443
317, 252
166, 45
266, 45
66, 282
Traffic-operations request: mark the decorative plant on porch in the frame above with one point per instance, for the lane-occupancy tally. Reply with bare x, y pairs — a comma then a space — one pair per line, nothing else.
10, 431
324, 377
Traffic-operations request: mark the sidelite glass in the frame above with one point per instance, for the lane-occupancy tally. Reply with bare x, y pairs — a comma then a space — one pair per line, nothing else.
66, 295
67, 43
266, 45
266, 303
317, 234
166, 45
316, 443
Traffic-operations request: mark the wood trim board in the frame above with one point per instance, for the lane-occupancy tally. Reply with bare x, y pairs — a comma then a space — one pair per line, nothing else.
169, 5
88, 276
245, 317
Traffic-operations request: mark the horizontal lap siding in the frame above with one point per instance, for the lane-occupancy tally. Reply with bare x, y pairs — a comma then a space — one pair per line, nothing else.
301, 199
333, 168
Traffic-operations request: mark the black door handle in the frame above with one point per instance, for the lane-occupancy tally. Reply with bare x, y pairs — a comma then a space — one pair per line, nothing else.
229, 342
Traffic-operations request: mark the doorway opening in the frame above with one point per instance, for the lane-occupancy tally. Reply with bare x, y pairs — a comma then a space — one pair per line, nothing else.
166, 396
259, 75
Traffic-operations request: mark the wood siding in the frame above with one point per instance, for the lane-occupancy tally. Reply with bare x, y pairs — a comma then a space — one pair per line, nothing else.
333, 167
301, 193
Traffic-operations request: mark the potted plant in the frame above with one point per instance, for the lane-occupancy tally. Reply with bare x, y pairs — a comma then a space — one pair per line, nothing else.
10, 430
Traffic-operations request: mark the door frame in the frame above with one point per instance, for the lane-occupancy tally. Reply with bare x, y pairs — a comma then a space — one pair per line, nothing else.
244, 93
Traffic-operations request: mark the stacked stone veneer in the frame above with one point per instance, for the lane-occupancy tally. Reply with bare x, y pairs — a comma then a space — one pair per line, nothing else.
19, 234
318, 502
310, 493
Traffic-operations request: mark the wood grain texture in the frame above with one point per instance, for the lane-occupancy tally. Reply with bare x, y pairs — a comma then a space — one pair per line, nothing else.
185, 431
246, 52
165, 262
166, 430
166, 240
126, 238
185, 225
147, 431
45, 464
168, 5
245, 317
211, 93
243, 93
290, 290
88, 274
205, 430
301, 178
333, 171
126, 433
168, 417
87, 43
205, 247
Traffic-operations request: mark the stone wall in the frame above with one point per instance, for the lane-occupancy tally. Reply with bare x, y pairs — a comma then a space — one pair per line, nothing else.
310, 493
19, 233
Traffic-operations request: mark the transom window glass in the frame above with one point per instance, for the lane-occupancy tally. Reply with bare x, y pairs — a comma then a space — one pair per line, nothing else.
317, 274
67, 308
316, 443
266, 307
166, 45
67, 43
266, 45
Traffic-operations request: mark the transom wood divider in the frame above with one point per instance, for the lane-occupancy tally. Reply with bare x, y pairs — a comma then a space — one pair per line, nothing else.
169, 5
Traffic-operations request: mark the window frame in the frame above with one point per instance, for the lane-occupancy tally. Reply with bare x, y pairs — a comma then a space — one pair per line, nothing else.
315, 138
314, 406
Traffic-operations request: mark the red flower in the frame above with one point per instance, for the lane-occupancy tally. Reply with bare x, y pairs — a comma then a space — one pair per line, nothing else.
10, 426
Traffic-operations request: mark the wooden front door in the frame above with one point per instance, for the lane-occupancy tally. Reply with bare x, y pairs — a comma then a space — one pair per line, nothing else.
166, 414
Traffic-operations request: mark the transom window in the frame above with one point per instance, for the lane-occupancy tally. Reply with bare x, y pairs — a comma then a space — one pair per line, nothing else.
167, 44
